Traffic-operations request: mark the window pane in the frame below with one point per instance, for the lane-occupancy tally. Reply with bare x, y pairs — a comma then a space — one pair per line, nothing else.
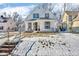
35, 15
47, 25
70, 18
1, 28
5, 21
29, 26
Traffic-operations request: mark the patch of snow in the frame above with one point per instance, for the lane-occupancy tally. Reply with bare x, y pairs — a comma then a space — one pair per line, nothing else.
22, 48
61, 44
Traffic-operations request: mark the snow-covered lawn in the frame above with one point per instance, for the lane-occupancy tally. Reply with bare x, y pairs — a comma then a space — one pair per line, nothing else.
4, 37
61, 44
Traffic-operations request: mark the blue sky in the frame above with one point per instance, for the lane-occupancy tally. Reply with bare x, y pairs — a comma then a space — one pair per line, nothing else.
21, 8
4, 5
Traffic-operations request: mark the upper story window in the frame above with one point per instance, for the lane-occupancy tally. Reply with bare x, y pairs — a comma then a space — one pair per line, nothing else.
35, 15
46, 15
70, 18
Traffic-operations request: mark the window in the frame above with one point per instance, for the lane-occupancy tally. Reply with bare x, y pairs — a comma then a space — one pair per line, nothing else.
5, 21
70, 18
29, 26
35, 15
1, 27
46, 15
47, 25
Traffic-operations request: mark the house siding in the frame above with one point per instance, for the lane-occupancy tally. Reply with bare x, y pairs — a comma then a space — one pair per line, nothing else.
9, 24
74, 22
42, 19
41, 24
41, 13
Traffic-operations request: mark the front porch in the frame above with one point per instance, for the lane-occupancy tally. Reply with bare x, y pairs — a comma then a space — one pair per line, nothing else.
41, 25
33, 26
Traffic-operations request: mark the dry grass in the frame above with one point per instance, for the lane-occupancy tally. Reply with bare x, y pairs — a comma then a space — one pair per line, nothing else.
38, 34
32, 34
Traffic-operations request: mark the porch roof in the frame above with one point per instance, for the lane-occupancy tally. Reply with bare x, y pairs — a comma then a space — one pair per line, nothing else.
40, 19
72, 12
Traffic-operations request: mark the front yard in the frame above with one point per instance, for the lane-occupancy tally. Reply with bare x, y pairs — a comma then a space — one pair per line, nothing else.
59, 44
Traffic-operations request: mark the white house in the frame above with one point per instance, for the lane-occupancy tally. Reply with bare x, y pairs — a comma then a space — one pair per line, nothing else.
7, 24
41, 19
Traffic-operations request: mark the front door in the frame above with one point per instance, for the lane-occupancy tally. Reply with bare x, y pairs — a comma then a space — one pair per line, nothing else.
35, 26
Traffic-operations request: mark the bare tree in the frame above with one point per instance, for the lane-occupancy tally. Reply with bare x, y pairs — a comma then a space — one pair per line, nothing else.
19, 24
18, 19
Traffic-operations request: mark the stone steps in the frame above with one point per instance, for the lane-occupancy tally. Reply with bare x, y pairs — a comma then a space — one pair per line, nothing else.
7, 48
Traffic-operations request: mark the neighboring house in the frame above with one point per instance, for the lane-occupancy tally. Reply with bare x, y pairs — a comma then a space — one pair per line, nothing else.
41, 19
71, 21
7, 24
75, 25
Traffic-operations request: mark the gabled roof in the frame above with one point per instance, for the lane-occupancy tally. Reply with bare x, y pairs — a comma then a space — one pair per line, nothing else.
38, 6
72, 12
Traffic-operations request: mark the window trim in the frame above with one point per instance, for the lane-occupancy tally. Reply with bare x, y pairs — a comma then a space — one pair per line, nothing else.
47, 26
70, 17
35, 15
1, 28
